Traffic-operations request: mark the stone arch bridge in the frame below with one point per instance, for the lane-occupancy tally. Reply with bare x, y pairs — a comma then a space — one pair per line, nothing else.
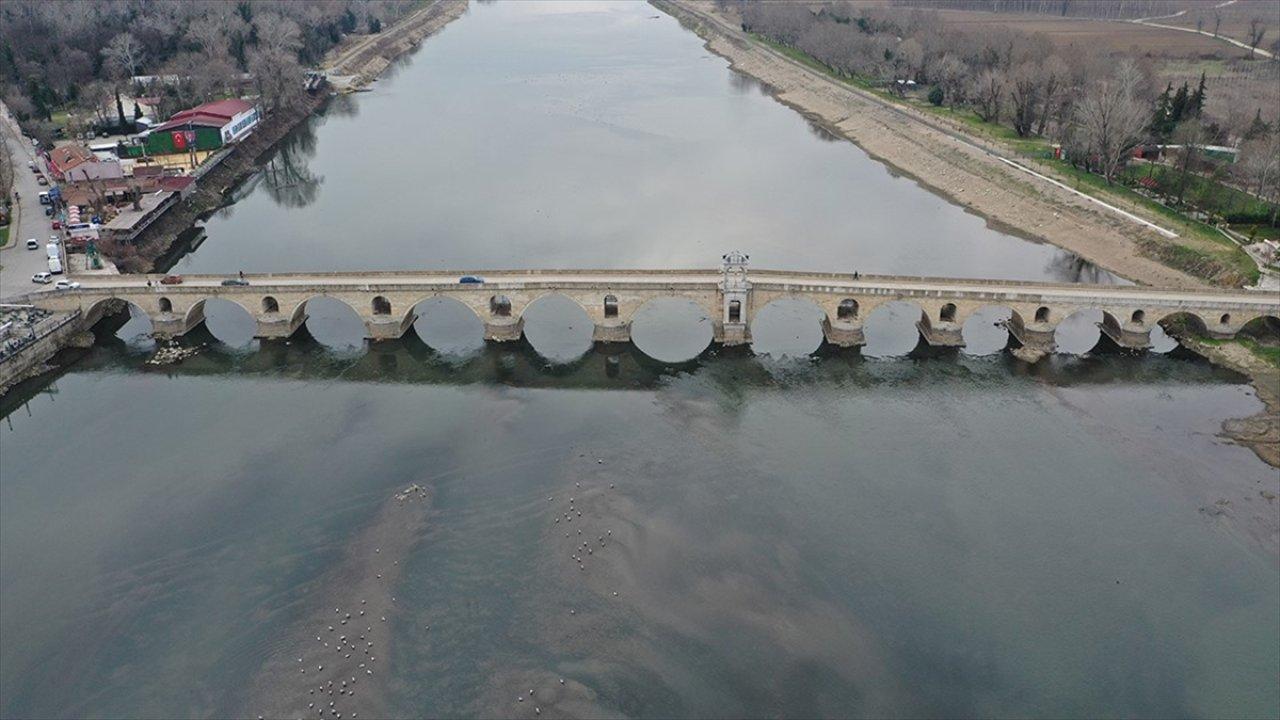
731, 296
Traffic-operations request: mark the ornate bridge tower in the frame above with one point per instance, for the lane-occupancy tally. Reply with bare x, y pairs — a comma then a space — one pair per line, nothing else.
734, 325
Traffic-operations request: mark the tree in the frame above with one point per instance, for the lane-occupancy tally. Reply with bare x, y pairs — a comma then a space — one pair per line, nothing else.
120, 111
1190, 137
1258, 128
936, 95
1162, 121
1260, 162
1178, 107
375, 25
279, 77
137, 111
1257, 29
987, 94
277, 33
124, 53
1195, 103
1054, 76
1111, 118
1217, 20
1024, 97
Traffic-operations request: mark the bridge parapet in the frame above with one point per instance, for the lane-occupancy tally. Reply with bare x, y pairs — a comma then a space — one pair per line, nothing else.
731, 298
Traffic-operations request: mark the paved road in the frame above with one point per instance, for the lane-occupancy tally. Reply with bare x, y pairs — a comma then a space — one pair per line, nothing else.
19, 263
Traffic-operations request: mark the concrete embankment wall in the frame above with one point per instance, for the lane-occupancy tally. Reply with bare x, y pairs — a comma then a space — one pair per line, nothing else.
30, 361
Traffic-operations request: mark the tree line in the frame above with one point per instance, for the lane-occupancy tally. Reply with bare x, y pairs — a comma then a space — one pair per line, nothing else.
1099, 108
80, 56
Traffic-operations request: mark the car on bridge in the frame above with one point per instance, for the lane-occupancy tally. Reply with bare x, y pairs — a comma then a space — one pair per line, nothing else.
471, 280
66, 285
171, 280
235, 282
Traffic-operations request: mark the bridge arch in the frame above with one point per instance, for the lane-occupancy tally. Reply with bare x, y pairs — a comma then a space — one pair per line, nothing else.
330, 320
500, 306
847, 309
1265, 327
270, 304
226, 320
673, 328
165, 305
1077, 332
611, 306
986, 330
137, 329
890, 328
788, 326
380, 305
947, 313
557, 326
447, 325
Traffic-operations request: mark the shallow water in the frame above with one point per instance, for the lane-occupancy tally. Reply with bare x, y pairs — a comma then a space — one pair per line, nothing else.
884, 534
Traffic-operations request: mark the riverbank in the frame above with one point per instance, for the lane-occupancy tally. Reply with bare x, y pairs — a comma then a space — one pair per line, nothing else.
364, 58
946, 163
1261, 432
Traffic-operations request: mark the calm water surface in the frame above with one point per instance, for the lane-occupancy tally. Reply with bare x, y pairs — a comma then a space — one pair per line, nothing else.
886, 535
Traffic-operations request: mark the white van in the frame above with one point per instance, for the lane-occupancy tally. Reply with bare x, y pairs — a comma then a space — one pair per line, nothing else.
52, 249
55, 266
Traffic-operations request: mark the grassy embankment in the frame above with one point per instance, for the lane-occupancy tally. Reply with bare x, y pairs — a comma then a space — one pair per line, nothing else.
1199, 250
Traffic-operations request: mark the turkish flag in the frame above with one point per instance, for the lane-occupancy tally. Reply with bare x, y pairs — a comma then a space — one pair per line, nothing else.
179, 140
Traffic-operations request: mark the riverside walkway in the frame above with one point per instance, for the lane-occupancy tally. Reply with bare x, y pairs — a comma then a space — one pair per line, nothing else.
730, 295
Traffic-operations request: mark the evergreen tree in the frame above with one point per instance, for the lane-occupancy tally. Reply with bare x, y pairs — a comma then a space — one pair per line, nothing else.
1258, 128
1178, 109
1195, 103
1161, 125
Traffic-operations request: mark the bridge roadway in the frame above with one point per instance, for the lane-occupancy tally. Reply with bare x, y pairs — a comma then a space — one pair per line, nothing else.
731, 296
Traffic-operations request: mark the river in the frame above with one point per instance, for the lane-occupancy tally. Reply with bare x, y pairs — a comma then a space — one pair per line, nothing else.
777, 533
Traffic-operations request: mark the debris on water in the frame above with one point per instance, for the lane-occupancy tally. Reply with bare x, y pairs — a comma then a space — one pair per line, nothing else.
173, 353
414, 490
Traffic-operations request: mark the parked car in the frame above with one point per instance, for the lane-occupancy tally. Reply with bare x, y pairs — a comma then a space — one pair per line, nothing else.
171, 280
55, 266
57, 224
33, 244
42, 278
67, 285
235, 282
42, 180
55, 239
470, 280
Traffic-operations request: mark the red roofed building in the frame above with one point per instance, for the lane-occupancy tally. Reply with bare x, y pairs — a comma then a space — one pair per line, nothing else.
62, 159
204, 127
234, 119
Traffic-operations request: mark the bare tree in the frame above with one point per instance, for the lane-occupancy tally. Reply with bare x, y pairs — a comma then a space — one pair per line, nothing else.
987, 94
277, 33
1217, 20
1112, 118
1024, 97
125, 53
1189, 136
279, 77
1260, 162
1257, 28
1055, 75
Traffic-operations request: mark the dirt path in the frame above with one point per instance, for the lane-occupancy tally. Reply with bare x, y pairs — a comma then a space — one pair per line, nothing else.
367, 57
936, 158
